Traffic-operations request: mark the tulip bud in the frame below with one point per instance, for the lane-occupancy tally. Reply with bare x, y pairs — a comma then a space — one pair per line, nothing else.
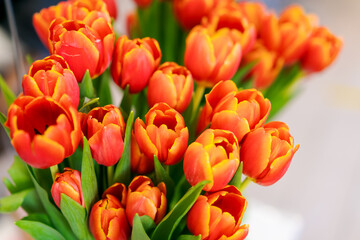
99, 4
214, 156
134, 62
218, 215
108, 221
267, 152
164, 134
104, 127
42, 131
69, 183
118, 190
139, 162
51, 77
145, 199
176, 86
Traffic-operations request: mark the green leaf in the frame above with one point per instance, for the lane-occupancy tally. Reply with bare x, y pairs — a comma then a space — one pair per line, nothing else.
123, 170
242, 72
104, 92
32, 203
189, 237
88, 176
29, 59
38, 217
138, 231
86, 86
166, 227
126, 101
19, 175
12, 202
2, 121
39, 230
236, 180
9, 95
88, 105
162, 176
147, 223
57, 219
76, 216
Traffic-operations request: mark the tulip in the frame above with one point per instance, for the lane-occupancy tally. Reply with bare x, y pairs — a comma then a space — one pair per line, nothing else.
267, 65
321, 51
108, 221
51, 77
134, 62
266, 153
218, 215
164, 134
42, 131
68, 183
176, 86
118, 190
139, 162
212, 55
241, 111
99, 4
254, 12
143, 3
104, 127
214, 156
145, 199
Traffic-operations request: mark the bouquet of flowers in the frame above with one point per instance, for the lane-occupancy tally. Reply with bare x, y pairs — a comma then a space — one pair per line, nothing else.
198, 80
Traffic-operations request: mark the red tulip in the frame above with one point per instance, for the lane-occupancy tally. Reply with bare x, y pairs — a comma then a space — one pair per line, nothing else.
108, 221
118, 190
164, 134
213, 156
42, 131
218, 215
134, 62
143, 3
52, 77
68, 183
176, 86
145, 199
267, 152
139, 162
105, 128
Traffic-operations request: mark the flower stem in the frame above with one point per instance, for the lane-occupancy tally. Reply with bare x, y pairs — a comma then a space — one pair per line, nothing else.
199, 92
244, 184
54, 169
110, 174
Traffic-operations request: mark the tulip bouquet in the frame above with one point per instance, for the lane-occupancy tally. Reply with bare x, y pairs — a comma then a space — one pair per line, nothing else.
168, 162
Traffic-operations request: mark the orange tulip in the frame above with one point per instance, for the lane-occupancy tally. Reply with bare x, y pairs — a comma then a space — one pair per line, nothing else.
96, 4
218, 215
42, 131
214, 156
145, 199
105, 128
176, 86
212, 55
108, 221
267, 152
139, 162
52, 77
118, 190
69, 183
164, 134
134, 62
321, 51
254, 12
237, 111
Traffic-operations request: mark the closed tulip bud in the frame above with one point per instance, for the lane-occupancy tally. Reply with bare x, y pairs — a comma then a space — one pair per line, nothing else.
267, 152
119, 191
241, 111
214, 156
218, 215
104, 127
68, 183
177, 86
139, 162
51, 77
254, 12
134, 62
321, 51
145, 199
212, 54
42, 131
108, 221
164, 134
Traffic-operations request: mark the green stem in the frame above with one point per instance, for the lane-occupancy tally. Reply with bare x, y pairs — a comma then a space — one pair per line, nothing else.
244, 184
110, 174
199, 92
54, 169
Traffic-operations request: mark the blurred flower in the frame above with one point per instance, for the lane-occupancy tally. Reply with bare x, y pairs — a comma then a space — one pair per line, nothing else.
143, 3
111, 7
42, 131
213, 156
218, 215
104, 127
139, 162
132, 24
52, 77
69, 183
163, 135
134, 62
145, 199
212, 55
321, 51
267, 152
108, 221
241, 111
118, 190
176, 86
254, 12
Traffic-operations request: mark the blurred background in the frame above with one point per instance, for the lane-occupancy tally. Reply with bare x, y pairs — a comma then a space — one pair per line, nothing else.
319, 196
